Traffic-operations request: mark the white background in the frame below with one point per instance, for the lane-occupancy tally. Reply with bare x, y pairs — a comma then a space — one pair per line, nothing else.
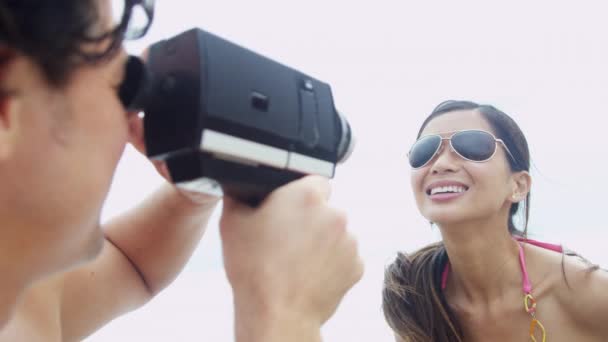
389, 63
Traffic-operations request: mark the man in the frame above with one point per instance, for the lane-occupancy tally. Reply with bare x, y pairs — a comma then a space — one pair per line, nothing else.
62, 132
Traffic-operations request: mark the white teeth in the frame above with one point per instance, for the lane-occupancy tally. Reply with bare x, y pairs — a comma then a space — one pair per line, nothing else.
448, 189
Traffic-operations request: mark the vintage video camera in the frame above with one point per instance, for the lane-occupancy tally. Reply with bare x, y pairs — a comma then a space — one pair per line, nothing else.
226, 120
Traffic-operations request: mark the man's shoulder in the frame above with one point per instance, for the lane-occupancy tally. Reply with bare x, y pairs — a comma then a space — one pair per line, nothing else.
37, 314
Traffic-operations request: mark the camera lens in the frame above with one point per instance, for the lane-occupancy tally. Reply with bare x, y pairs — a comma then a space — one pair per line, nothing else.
346, 145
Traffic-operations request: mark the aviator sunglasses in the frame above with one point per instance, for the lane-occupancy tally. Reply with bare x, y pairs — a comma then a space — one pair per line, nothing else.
472, 145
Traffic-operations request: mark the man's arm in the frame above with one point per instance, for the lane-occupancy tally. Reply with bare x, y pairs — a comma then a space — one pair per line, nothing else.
255, 323
144, 251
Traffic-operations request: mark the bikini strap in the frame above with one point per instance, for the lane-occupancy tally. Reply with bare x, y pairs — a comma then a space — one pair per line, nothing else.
527, 286
444, 275
545, 245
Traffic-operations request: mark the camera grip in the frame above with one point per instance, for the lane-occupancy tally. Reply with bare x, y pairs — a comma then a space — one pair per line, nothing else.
248, 183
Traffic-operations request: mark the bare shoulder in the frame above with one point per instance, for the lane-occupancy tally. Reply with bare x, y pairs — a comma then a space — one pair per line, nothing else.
42, 301
564, 272
577, 286
582, 293
36, 317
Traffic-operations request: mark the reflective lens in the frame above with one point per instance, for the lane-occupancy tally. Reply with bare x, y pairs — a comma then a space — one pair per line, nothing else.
141, 18
474, 145
137, 23
118, 11
133, 17
424, 150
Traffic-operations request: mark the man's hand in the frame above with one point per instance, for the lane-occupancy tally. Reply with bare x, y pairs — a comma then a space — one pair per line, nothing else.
289, 262
136, 138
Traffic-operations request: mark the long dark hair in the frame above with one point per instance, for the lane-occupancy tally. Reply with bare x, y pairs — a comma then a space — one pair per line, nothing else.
413, 303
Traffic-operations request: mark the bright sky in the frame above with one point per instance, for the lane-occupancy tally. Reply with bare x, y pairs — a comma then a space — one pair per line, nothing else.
389, 63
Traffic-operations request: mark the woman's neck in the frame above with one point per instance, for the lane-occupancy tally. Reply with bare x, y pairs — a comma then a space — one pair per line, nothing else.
484, 261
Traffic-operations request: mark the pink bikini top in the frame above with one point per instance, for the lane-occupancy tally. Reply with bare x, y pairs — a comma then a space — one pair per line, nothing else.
527, 286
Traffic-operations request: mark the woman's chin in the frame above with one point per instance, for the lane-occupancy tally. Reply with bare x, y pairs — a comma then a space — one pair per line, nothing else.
445, 219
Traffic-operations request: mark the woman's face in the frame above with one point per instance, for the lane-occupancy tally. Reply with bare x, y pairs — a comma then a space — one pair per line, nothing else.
451, 190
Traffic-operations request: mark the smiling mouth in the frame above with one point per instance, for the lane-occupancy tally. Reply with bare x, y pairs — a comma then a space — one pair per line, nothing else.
450, 189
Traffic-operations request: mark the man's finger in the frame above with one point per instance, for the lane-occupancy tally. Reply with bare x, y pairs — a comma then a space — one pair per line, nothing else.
318, 184
136, 133
232, 205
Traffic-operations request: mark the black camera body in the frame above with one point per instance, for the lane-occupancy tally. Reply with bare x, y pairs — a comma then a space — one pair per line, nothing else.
227, 120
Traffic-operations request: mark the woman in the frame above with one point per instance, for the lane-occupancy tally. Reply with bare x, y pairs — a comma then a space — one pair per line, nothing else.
485, 281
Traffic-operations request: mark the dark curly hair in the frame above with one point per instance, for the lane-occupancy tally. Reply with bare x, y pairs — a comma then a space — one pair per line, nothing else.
52, 33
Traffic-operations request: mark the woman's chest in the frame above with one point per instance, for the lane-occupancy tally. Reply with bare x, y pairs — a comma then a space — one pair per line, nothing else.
550, 322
